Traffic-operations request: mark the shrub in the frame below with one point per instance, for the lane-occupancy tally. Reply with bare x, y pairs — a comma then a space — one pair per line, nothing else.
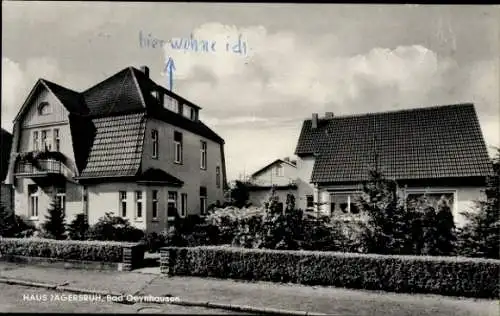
78, 228
154, 241
63, 249
12, 225
114, 228
410, 274
55, 226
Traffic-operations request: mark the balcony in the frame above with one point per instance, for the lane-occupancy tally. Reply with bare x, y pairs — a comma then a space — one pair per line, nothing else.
40, 168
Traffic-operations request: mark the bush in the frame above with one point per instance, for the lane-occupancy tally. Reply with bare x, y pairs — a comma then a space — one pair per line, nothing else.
410, 274
114, 228
78, 228
63, 249
154, 241
12, 225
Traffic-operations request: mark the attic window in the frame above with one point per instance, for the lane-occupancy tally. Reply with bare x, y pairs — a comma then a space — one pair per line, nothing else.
44, 108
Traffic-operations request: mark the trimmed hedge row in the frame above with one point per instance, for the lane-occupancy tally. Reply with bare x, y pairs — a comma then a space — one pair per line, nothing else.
452, 276
103, 251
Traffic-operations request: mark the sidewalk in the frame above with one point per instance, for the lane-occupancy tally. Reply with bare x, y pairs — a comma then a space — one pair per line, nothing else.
332, 301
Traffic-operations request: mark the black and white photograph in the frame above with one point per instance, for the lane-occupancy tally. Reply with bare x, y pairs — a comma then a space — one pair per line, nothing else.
250, 158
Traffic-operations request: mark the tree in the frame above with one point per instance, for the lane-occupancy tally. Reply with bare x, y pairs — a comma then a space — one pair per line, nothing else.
240, 194
444, 229
7, 222
78, 228
55, 225
480, 235
389, 229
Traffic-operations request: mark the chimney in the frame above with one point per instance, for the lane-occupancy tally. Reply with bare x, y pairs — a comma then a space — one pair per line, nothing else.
314, 120
145, 70
329, 115
287, 159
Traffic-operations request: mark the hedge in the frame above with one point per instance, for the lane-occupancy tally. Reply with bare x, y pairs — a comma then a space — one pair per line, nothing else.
454, 276
103, 251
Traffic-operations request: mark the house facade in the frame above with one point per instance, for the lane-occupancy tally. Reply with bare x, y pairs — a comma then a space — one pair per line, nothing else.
281, 175
126, 146
436, 151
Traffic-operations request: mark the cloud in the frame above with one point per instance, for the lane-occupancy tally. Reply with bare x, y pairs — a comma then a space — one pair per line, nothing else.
18, 80
284, 78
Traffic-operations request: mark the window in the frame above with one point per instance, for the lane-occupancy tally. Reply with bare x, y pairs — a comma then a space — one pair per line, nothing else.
203, 154
171, 103
46, 144
193, 114
155, 204
186, 111
172, 203
57, 140
178, 147
343, 203
217, 176
154, 138
138, 204
36, 144
203, 200
123, 203
158, 96
44, 108
434, 198
33, 200
279, 171
309, 201
61, 199
184, 198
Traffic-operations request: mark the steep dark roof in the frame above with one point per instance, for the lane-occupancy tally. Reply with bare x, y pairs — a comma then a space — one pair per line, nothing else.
423, 143
117, 147
72, 100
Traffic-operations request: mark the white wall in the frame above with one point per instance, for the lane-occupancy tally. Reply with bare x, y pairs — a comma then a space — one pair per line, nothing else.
304, 187
268, 177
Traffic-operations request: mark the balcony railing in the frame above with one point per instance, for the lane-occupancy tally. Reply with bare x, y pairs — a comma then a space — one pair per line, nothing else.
40, 168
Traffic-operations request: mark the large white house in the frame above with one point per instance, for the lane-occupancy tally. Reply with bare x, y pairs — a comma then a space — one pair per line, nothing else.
438, 151
126, 145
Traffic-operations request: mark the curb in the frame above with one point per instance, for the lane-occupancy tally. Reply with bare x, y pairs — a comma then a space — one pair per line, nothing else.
230, 307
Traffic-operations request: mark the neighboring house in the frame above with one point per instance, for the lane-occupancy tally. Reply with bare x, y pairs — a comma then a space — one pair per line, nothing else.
439, 151
280, 174
125, 145
7, 194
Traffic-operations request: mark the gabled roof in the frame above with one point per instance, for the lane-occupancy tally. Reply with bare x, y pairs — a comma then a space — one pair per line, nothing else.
280, 161
71, 100
423, 143
117, 147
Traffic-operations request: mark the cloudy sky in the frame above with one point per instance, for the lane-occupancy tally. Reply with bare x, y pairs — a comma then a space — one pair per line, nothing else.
299, 59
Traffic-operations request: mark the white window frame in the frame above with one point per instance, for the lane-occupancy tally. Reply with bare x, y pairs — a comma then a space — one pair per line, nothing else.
183, 205
46, 141
279, 171
172, 200
203, 155
178, 150
33, 213
434, 191
154, 204
36, 141
186, 111
57, 139
139, 204
155, 141
192, 114
61, 198
350, 201
203, 203
122, 200
170, 103
218, 177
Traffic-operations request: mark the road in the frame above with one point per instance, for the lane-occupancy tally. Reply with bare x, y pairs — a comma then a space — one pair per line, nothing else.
22, 299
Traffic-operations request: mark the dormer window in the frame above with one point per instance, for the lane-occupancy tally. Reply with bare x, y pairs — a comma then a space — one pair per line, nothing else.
171, 104
158, 96
44, 108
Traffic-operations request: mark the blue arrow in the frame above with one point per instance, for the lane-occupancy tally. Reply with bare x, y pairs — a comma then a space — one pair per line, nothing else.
170, 68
